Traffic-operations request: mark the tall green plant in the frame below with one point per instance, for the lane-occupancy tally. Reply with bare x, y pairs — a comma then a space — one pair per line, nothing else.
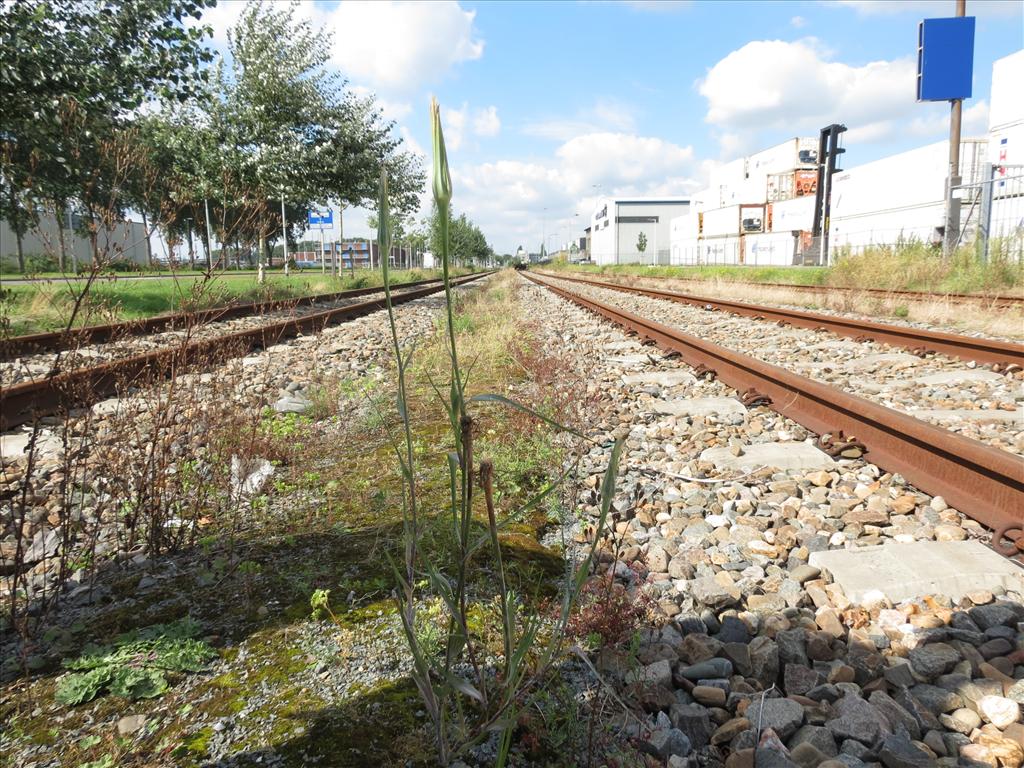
467, 696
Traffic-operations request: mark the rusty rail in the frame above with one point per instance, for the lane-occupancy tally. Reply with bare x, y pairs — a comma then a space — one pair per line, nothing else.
981, 481
33, 343
25, 402
1001, 353
993, 300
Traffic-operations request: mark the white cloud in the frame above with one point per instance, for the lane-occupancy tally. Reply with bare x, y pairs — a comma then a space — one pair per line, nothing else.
486, 122
799, 22
399, 46
460, 123
773, 85
508, 198
606, 114
930, 8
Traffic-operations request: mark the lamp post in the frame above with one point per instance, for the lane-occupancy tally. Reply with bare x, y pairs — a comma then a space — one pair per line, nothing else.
191, 250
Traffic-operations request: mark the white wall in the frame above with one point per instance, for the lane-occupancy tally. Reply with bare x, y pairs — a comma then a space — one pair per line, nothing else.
769, 249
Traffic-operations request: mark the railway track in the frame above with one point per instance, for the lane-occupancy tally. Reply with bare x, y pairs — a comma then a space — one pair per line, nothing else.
34, 343
31, 400
999, 353
993, 300
981, 481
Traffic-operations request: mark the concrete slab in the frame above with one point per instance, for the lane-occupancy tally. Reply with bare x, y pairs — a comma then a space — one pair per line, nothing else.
908, 571
965, 376
661, 378
699, 406
629, 359
837, 344
618, 346
13, 445
895, 360
967, 414
780, 455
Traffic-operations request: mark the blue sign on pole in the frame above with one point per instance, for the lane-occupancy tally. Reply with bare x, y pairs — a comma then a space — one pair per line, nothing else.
324, 218
945, 58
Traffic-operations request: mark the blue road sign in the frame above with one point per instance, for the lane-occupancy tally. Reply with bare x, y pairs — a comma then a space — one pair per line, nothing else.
324, 218
945, 58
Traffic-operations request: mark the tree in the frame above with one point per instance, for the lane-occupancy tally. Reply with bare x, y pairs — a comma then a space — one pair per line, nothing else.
73, 73
641, 244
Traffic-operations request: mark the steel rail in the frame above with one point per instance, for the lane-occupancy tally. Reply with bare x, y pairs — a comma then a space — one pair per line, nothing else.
33, 343
25, 402
981, 481
1001, 353
994, 300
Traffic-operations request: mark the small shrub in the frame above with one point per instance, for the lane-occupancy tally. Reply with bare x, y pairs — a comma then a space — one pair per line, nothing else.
606, 614
136, 665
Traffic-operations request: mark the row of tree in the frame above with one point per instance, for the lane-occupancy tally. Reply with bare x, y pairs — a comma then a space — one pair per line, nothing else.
118, 105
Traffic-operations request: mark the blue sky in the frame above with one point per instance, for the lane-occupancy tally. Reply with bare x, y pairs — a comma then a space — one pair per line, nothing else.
548, 105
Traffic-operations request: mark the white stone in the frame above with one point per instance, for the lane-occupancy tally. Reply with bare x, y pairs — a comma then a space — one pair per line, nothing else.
700, 406
999, 711
910, 571
799, 456
660, 378
969, 414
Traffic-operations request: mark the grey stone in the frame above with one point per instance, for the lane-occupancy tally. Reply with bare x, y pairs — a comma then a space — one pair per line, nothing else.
658, 673
792, 647
856, 719
936, 700
897, 716
772, 758
733, 630
899, 674
783, 716
669, 741
817, 736
764, 660
803, 573
933, 660
700, 406
798, 679
695, 721
899, 752
992, 615
707, 669
708, 591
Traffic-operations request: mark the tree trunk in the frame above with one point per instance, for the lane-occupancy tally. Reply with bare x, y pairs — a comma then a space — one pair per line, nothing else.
58, 211
21, 250
149, 243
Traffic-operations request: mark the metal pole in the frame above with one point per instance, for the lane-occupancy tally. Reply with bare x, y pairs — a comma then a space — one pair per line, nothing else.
341, 237
323, 252
952, 230
284, 233
985, 211
209, 237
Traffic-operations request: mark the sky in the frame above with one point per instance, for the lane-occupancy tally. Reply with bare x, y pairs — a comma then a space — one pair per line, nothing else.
547, 106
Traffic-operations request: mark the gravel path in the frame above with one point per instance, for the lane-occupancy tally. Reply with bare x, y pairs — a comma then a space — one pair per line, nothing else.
965, 398
761, 657
26, 368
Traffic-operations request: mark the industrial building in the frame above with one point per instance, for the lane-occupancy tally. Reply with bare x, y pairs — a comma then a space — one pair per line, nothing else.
759, 210
125, 241
618, 223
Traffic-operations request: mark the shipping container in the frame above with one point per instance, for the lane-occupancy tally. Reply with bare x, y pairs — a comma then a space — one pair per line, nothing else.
1006, 106
796, 215
732, 220
898, 197
721, 250
786, 186
782, 158
770, 249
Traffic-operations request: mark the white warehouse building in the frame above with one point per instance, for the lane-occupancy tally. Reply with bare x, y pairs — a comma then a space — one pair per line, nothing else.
617, 224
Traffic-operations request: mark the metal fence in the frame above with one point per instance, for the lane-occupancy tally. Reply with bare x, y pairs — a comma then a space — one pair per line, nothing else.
992, 214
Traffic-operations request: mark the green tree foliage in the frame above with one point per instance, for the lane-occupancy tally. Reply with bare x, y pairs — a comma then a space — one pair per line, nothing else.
466, 241
73, 73
641, 243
